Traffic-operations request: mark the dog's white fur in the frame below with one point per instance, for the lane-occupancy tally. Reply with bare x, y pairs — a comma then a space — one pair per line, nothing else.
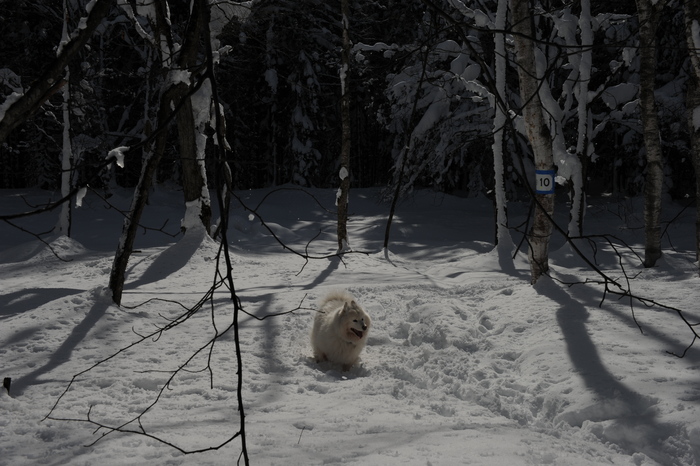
340, 330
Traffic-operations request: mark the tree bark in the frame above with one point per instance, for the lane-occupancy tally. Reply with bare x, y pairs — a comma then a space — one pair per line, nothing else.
692, 33
125, 247
583, 143
693, 105
152, 157
648, 12
138, 203
343, 191
44, 87
504, 242
538, 135
194, 183
64, 220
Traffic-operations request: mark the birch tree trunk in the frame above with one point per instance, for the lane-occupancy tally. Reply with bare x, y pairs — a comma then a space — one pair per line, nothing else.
194, 182
692, 34
64, 220
538, 135
343, 191
693, 104
648, 11
583, 143
504, 242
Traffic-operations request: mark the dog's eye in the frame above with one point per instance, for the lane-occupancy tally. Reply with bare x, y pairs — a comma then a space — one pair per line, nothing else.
354, 320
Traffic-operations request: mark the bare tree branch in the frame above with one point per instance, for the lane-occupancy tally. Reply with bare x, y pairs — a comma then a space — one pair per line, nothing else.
41, 90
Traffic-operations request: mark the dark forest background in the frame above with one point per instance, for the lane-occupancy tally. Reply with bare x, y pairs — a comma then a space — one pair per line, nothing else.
279, 83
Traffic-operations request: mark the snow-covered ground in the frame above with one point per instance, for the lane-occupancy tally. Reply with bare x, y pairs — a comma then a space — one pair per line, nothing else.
467, 363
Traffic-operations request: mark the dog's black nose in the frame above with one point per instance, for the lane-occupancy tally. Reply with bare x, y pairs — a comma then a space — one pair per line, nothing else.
364, 327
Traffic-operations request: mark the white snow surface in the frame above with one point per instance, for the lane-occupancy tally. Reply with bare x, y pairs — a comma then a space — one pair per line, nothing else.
466, 362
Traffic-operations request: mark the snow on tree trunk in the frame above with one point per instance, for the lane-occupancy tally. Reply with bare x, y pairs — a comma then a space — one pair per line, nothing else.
201, 110
583, 144
648, 11
189, 155
342, 196
569, 166
64, 220
692, 34
504, 241
538, 135
192, 120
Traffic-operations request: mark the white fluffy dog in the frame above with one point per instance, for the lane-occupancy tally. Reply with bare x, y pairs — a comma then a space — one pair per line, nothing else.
340, 330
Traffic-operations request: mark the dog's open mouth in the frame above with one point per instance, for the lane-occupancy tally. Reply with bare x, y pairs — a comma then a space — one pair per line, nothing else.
359, 333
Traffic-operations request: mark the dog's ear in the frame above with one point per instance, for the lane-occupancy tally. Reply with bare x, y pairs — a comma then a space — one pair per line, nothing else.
346, 308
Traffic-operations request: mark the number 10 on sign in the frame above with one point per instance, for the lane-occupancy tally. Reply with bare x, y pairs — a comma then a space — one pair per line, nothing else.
544, 181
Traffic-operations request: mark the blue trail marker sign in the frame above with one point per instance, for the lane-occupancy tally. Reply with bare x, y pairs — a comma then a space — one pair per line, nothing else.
544, 181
